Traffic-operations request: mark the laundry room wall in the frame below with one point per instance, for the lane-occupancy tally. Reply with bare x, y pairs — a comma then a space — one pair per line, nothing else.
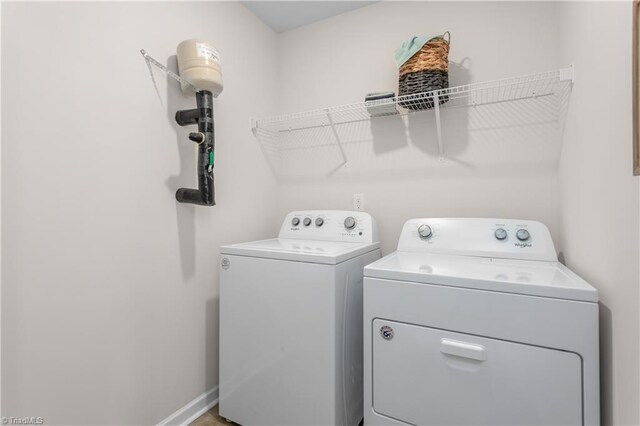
573, 175
599, 194
109, 287
499, 161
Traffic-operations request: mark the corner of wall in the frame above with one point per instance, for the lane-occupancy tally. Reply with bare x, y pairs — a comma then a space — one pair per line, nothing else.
597, 188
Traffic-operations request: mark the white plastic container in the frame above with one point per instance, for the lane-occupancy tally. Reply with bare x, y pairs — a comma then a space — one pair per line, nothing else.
199, 64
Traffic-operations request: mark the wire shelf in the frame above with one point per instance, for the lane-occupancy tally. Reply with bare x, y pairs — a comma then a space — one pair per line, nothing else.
320, 126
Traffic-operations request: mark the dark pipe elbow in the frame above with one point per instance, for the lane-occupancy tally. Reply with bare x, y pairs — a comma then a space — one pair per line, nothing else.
194, 196
187, 116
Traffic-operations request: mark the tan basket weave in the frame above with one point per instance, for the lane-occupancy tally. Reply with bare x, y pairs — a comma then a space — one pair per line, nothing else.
434, 56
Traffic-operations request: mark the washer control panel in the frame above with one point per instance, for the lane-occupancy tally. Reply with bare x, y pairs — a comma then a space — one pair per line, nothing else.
500, 238
330, 225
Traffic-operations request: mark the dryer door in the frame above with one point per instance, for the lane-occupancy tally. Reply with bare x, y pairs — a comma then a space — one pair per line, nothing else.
427, 376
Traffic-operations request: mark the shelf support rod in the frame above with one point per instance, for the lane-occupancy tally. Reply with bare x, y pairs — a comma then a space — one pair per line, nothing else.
436, 107
335, 135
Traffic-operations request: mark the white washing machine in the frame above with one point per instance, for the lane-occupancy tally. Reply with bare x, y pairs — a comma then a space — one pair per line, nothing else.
291, 321
475, 322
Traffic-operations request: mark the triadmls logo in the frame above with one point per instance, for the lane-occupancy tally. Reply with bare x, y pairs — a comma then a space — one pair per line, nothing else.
523, 245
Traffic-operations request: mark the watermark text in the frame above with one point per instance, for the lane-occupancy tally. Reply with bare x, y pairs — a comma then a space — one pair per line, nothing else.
22, 420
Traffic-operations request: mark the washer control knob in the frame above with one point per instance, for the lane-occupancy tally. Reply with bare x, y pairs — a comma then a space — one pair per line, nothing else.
295, 221
500, 234
350, 222
523, 234
307, 221
319, 221
424, 231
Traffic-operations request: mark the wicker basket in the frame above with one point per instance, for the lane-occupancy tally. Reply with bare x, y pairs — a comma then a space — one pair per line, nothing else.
425, 71
420, 82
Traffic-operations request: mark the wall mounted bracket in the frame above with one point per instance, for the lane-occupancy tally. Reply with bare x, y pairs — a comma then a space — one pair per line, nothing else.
336, 137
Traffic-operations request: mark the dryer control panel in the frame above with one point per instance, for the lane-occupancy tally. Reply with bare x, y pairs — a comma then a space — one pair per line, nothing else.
330, 225
500, 238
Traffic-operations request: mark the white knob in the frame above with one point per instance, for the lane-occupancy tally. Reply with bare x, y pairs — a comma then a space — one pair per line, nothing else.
424, 231
522, 234
350, 223
500, 234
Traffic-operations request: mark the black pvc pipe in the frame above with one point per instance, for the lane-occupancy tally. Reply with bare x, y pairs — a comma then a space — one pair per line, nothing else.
203, 117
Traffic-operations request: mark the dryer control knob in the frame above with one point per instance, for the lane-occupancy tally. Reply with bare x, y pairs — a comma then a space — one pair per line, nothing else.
350, 223
424, 231
523, 234
319, 221
295, 221
307, 221
500, 234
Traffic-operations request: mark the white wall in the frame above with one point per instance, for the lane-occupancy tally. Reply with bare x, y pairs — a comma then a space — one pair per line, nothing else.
501, 161
109, 297
600, 207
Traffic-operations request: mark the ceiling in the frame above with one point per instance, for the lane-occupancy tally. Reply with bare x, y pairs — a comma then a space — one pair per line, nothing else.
286, 15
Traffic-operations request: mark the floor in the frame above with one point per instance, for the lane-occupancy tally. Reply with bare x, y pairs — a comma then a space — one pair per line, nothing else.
211, 418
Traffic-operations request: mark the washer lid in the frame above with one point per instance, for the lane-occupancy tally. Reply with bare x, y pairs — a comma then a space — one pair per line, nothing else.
311, 251
535, 278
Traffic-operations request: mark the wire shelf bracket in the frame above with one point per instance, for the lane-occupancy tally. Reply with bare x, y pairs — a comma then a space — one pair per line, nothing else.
277, 129
436, 105
337, 137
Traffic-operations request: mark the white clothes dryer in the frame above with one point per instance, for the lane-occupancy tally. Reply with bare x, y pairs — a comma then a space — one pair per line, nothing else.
475, 322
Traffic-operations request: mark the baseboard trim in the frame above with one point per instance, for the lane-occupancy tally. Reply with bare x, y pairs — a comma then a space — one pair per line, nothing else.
193, 409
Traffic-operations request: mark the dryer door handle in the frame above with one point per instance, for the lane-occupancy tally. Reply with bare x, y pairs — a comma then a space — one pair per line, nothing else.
463, 349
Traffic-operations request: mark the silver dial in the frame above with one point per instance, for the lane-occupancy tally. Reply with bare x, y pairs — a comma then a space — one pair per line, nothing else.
386, 332
424, 231
350, 223
500, 234
307, 221
295, 221
523, 234
319, 221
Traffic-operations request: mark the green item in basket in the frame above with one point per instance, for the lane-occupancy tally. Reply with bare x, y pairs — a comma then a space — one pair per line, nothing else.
409, 48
